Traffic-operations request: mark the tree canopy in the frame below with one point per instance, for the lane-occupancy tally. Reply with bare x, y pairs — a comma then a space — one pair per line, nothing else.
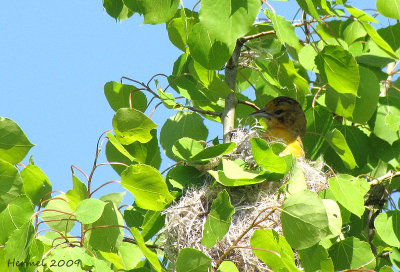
337, 60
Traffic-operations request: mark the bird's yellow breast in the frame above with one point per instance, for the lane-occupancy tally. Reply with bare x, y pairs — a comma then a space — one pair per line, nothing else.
293, 144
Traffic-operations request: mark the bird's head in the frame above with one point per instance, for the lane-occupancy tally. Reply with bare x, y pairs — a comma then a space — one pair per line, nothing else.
284, 113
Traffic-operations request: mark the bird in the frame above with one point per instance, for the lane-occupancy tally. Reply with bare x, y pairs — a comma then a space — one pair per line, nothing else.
286, 122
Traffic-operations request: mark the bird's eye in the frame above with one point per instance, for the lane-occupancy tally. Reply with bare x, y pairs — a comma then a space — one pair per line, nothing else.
278, 112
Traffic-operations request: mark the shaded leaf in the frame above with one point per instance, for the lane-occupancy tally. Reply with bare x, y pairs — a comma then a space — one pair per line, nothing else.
218, 220
351, 253
192, 260
154, 11
304, 220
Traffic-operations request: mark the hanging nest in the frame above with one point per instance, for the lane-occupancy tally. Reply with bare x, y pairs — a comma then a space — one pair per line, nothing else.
185, 218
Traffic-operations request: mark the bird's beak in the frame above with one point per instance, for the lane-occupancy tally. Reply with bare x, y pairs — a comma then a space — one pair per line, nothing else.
261, 113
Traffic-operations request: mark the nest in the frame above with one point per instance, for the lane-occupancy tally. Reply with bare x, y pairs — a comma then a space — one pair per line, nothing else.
186, 217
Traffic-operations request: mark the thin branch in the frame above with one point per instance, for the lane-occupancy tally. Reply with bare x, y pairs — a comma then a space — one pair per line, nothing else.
156, 75
151, 113
268, 5
130, 240
248, 81
169, 167
317, 93
80, 170
389, 175
104, 184
201, 110
253, 224
248, 103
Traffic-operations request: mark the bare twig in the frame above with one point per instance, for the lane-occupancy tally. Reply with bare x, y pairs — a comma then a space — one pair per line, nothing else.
200, 110
248, 103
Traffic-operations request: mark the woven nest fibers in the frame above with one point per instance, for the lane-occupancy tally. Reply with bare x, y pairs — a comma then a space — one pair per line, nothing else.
185, 218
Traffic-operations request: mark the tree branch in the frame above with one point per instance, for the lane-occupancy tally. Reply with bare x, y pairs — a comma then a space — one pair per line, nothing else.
201, 111
228, 116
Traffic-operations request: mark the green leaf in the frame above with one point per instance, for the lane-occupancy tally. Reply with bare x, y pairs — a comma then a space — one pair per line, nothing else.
131, 125
352, 31
218, 220
389, 8
63, 255
17, 213
147, 186
340, 104
206, 49
58, 213
115, 198
167, 99
379, 40
117, 9
395, 257
307, 55
118, 94
337, 141
316, 258
348, 193
213, 39
388, 227
304, 220
185, 148
152, 223
360, 14
147, 153
214, 151
273, 250
381, 123
192, 260
130, 255
10, 183
220, 177
265, 157
351, 253
367, 96
182, 124
111, 216
89, 210
284, 30
119, 146
17, 245
319, 122
334, 217
183, 176
227, 266
339, 68
309, 7
233, 170
77, 194
14, 145
297, 181
154, 11
36, 183
150, 255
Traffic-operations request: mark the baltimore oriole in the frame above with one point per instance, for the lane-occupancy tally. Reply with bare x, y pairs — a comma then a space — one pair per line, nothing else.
286, 123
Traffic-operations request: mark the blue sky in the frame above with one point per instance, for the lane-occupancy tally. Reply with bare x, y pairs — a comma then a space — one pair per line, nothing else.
56, 58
